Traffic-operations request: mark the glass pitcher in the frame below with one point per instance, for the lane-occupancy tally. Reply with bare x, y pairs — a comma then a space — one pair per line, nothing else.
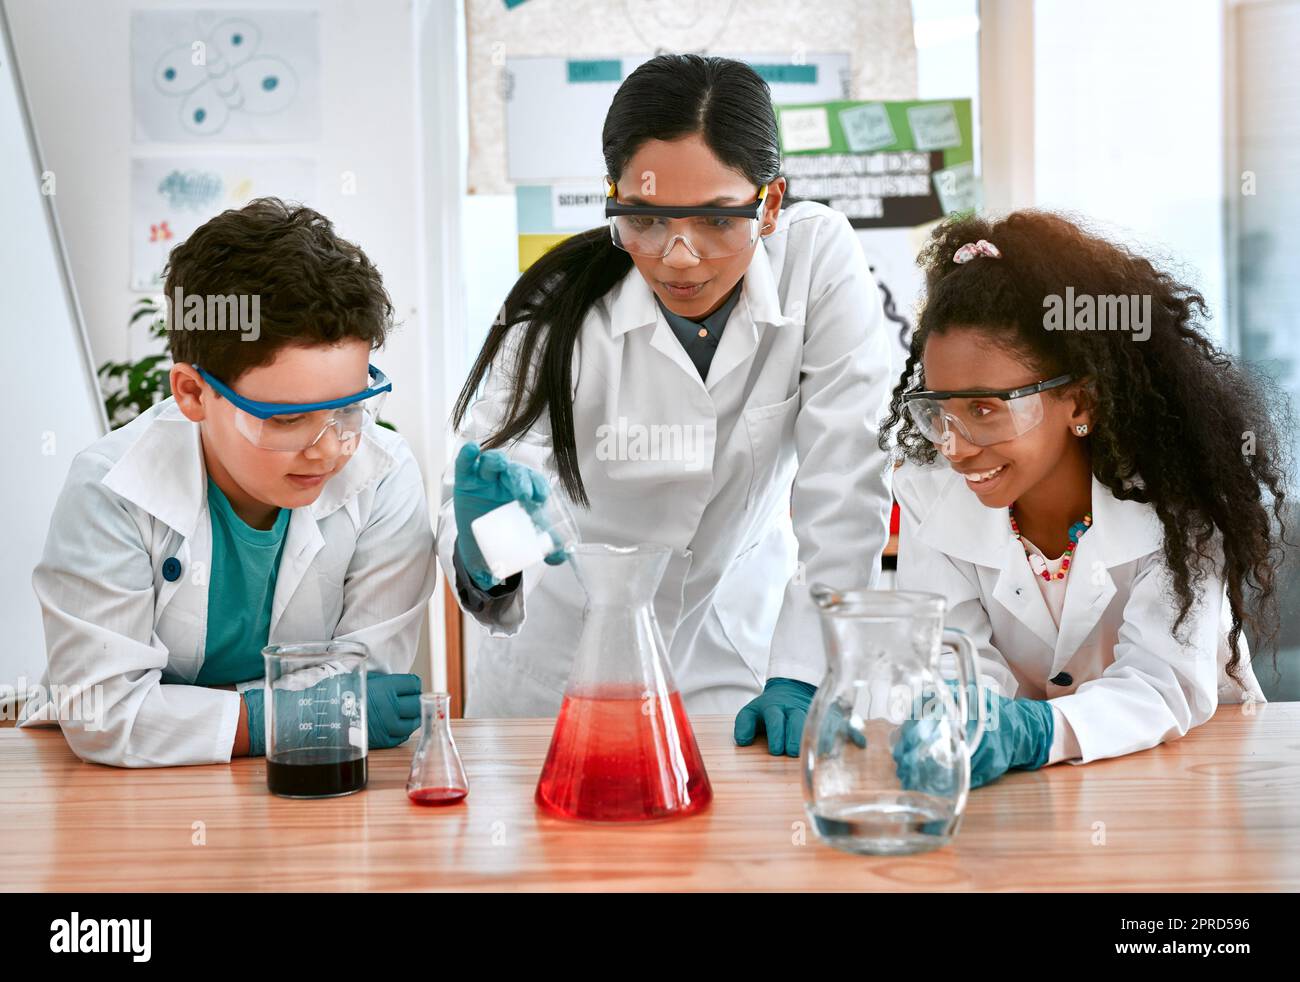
623, 749
887, 743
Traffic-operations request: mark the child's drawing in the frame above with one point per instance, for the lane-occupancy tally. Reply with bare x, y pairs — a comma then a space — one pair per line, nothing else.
225, 75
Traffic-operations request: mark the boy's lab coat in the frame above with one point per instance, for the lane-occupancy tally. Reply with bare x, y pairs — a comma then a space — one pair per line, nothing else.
799, 380
356, 565
1114, 668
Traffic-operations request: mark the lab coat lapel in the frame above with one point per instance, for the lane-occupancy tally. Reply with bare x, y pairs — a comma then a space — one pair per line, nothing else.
1121, 532
304, 539
759, 304
302, 542
632, 306
1018, 591
959, 526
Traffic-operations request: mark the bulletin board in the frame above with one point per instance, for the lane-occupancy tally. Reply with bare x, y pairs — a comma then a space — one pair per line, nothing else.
876, 38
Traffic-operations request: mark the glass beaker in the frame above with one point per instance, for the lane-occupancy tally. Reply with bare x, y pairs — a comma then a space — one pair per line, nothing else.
887, 743
516, 535
623, 749
315, 711
437, 777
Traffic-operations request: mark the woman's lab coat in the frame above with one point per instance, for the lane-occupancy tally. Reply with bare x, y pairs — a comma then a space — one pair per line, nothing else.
800, 377
356, 565
1113, 668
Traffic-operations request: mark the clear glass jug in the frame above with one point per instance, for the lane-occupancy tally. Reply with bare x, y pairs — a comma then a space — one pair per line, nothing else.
623, 749
887, 743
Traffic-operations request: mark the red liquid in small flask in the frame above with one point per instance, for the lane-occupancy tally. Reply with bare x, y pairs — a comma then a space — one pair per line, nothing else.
623, 749
437, 776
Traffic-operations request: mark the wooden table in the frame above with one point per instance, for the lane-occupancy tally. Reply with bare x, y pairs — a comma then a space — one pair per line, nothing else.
1217, 810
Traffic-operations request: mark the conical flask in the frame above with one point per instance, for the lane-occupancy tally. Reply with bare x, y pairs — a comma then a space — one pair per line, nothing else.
623, 749
437, 777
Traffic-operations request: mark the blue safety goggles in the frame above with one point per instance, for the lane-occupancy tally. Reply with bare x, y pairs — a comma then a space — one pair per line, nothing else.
294, 426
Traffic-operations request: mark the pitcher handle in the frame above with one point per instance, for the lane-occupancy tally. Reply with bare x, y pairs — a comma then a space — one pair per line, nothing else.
968, 670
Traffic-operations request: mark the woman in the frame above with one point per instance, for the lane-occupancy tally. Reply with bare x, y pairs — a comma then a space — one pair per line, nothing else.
748, 337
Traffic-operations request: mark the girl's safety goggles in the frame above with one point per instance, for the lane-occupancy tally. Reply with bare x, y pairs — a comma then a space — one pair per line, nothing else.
982, 417
296, 426
709, 233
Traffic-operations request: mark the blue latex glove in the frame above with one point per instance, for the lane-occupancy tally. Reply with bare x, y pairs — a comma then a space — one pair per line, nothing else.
392, 712
1018, 735
392, 709
838, 724
253, 699
485, 480
781, 710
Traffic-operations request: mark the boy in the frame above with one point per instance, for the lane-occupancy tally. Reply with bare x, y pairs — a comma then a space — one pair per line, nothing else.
259, 503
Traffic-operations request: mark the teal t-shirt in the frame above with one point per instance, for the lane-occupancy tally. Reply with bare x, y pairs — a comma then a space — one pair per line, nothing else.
241, 589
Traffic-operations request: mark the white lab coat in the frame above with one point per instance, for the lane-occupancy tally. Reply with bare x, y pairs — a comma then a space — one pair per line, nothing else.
794, 392
356, 565
1131, 684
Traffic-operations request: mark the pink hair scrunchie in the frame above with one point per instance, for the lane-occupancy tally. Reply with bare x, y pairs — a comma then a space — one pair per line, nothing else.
972, 249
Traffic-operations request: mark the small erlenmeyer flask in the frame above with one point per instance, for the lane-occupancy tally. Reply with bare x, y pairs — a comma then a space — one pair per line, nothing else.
437, 777
623, 749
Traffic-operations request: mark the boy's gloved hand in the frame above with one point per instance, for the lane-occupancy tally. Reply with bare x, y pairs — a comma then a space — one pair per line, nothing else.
781, 710
484, 481
392, 710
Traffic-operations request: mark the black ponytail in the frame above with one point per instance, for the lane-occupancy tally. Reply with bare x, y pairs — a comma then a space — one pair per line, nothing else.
668, 97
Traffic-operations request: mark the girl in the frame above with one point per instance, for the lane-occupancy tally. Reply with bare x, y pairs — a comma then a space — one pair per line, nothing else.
1101, 521
750, 334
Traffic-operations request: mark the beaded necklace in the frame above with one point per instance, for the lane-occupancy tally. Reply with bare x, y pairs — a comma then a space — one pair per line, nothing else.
1075, 534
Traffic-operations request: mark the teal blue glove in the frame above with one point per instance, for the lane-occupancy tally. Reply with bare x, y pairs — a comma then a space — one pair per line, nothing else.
253, 699
781, 710
486, 480
1018, 735
392, 711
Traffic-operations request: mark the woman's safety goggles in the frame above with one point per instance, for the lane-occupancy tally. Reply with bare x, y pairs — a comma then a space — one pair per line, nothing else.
981, 417
296, 426
709, 233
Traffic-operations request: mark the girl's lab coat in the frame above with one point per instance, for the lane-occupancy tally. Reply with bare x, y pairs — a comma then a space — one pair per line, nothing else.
800, 377
356, 565
1113, 668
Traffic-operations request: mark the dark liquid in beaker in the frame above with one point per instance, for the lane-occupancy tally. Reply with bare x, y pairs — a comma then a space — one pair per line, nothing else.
316, 772
437, 796
618, 757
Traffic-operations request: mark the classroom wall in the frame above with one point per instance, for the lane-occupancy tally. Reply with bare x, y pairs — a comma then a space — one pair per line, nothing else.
78, 83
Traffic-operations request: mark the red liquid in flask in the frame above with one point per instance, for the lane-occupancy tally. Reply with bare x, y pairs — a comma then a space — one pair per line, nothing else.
617, 756
437, 796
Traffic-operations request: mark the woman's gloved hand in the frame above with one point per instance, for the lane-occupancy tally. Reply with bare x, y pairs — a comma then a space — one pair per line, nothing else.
484, 481
781, 710
392, 710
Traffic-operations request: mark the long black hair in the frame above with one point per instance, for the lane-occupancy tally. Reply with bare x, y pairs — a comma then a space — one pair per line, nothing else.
666, 98
1177, 423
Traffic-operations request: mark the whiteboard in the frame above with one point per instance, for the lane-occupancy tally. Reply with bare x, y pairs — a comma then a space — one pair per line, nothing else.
50, 387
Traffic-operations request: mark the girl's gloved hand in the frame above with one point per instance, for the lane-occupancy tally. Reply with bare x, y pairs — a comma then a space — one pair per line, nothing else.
485, 480
781, 710
1017, 735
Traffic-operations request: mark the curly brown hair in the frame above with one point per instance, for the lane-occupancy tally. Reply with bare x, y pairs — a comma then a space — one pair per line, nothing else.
312, 286
1177, 423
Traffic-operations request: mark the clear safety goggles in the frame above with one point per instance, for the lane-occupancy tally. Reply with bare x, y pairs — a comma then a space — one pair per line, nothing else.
294, 427
981, 417
709, 233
